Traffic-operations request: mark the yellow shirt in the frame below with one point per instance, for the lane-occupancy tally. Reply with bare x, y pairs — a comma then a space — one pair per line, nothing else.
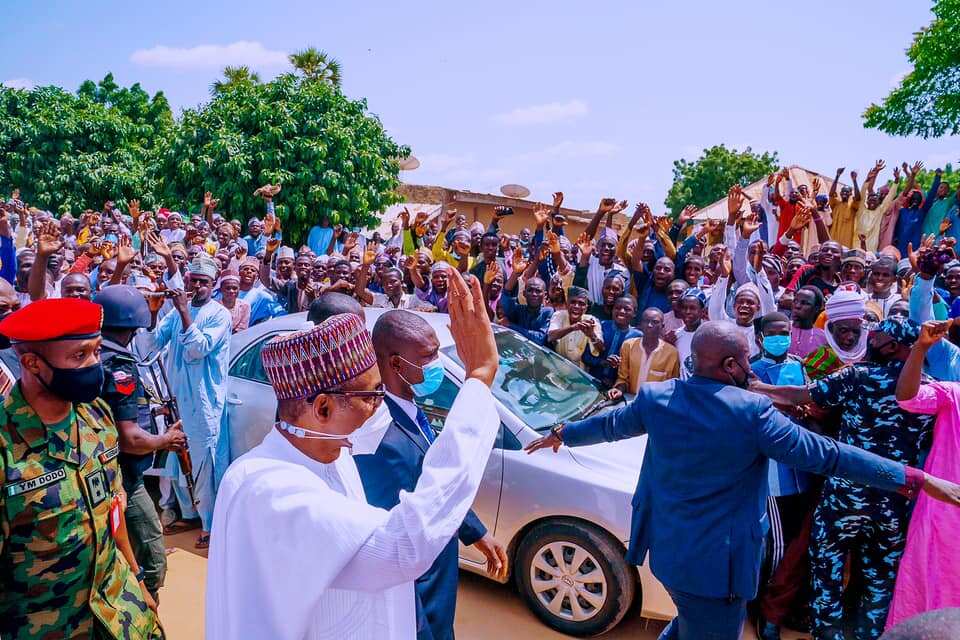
636, 367
868, 221
572, 345
844, 228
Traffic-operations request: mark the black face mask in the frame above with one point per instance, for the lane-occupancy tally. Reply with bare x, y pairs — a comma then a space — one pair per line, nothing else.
877, 356
742, 384
76, 385
4, 340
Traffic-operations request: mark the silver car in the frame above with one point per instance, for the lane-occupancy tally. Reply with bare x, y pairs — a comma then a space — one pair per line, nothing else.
564, 517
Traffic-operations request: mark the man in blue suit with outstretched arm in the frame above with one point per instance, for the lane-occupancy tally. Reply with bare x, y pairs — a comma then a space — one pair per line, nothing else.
700, 506
408, 357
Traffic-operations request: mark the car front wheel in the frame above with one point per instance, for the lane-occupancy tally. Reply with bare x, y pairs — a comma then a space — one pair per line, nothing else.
574, 577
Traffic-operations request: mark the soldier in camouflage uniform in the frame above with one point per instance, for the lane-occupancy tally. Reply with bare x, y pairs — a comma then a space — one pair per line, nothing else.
61, 575
868, 524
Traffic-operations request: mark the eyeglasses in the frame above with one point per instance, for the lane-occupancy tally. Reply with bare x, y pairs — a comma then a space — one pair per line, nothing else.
378, 393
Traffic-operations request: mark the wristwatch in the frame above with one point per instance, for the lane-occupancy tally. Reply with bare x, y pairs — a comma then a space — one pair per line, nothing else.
557, 431
140, 574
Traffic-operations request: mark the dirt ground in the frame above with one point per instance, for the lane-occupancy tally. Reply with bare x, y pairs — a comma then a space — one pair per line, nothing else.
484, 609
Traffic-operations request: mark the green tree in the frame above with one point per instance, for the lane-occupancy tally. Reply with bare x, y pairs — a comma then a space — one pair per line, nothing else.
317, 65
707, 179
233, 76
70, 151
927, 102
925, 177
332, 157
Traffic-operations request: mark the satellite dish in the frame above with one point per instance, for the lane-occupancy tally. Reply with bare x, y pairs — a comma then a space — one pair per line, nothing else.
514, 191
409, 163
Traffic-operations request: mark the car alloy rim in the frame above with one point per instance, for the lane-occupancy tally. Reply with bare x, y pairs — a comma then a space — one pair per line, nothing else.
568, 581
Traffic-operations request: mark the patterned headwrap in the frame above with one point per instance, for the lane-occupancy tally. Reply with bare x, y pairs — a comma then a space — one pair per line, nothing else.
771, 261
305, 363
696, 294
903, 330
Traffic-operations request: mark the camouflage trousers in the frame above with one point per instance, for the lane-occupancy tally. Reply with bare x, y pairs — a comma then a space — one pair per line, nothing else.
146, 538
871, 527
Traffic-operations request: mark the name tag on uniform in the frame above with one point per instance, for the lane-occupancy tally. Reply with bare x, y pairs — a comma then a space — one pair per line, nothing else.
36, 483
109, 454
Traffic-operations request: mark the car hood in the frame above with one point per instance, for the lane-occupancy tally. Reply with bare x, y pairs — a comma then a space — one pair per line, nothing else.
618, 461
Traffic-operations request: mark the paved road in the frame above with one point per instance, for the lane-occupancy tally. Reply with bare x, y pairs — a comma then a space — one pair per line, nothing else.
484, 609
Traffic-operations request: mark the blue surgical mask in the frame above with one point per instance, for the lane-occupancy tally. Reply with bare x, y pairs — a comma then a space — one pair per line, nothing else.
776, 345
432, 377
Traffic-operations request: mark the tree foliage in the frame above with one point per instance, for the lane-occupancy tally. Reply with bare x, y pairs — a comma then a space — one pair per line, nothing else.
317, 65
927, 102
332, 158
69, 151
925, 177
707, 179
233, 76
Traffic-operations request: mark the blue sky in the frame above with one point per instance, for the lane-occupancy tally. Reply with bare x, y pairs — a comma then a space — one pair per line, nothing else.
592, 98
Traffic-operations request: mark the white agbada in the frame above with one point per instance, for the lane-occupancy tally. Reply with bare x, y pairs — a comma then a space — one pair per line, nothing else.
297, 553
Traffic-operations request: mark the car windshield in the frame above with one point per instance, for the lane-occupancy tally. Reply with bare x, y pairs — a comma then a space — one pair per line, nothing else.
537, 385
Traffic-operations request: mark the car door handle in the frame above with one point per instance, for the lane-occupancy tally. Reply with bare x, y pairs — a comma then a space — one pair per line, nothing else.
234, 399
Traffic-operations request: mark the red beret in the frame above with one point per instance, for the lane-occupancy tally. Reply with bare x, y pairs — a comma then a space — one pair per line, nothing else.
54, 319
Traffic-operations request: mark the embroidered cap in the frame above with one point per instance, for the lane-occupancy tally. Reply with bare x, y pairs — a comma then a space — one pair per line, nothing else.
308, 362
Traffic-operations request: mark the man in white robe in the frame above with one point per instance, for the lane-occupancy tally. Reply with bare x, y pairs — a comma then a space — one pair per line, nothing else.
297, 552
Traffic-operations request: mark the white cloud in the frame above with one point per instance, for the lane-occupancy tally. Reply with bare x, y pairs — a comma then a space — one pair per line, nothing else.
19, 83
210, 56
551, 113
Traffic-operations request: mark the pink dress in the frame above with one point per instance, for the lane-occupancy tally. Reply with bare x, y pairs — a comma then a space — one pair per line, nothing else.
803, 342
929, 574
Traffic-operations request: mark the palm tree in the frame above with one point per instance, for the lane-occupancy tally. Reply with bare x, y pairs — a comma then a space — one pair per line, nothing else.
317, 65
233, 76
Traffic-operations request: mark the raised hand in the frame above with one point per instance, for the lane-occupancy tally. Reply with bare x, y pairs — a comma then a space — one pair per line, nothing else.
272, 245
209, 202
607, 205
350, 243
470, 328
896, 174
541, 213
157, 244
840, 171
369, 256
557, 199
585, 245
815, 186
945, 225
133, 208
687, 214
125, 252
491, 273
932, 331
553, 242
853, 175
405, 218
771, 179
749, 225
735, 200
726, 264
49, 240
519, 262
916, 168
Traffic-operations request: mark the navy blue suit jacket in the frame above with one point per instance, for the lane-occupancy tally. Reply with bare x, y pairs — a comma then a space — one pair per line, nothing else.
396, 466
700, 504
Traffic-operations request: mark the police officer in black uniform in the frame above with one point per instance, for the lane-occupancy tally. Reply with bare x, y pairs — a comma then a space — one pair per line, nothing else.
124, 312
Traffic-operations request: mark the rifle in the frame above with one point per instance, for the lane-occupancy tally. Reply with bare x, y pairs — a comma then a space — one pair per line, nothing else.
162, 394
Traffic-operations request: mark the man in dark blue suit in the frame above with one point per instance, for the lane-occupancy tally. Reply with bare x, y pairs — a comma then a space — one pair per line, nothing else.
700, 505
408, 357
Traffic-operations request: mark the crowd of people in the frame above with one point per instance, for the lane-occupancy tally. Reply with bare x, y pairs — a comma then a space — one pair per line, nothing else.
846, 300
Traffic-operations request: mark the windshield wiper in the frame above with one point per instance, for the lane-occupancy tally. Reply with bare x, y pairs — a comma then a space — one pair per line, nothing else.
601, 403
